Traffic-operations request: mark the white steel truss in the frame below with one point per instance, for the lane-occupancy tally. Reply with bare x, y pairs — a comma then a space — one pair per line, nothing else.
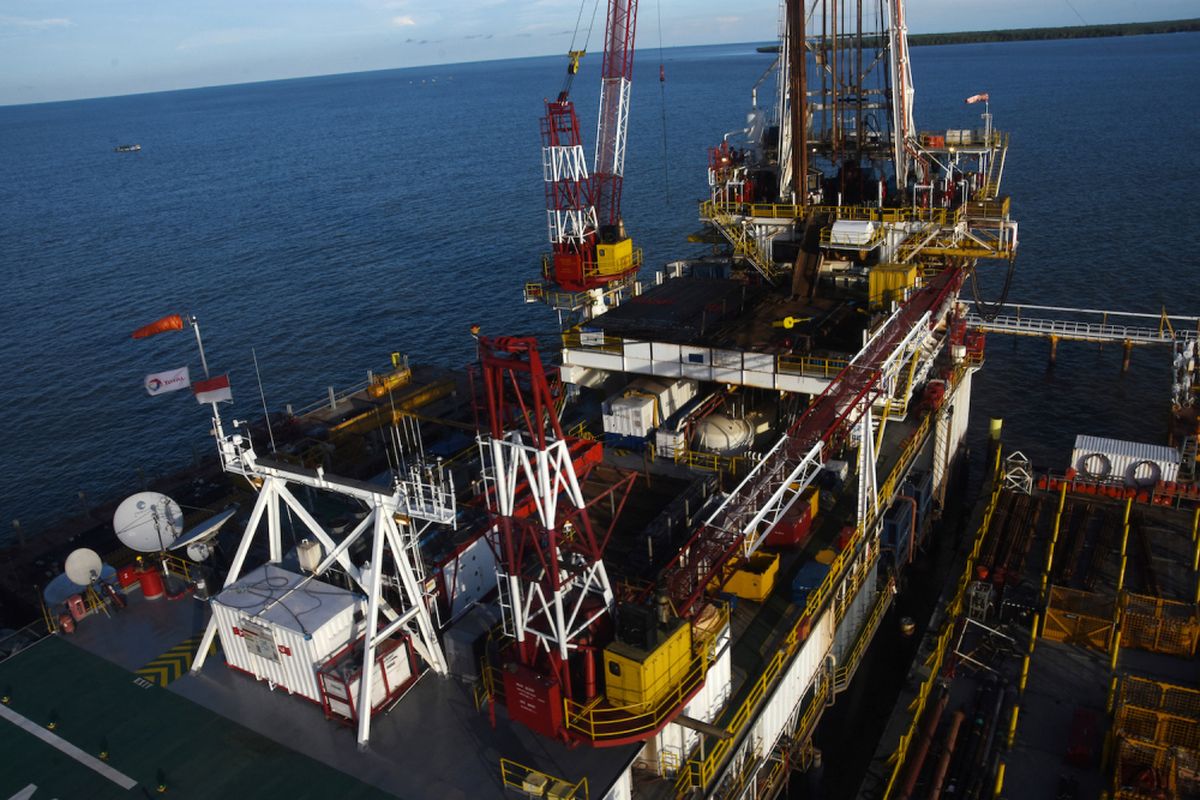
612, 90
426, 493
552, 610
567, 163
784, 478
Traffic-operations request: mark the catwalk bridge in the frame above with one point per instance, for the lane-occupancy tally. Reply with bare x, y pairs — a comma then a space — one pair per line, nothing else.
1089, 325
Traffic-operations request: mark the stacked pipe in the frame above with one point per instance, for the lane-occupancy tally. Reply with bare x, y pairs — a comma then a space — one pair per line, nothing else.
1014, 563
970, 771
1143, 557
916, 761
1075, 544
1104, 544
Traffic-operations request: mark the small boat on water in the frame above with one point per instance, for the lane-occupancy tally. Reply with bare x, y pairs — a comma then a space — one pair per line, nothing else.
127, 148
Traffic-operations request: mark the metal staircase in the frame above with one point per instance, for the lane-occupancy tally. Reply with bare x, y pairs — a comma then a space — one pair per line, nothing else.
744, 244
1187, 460
991, 187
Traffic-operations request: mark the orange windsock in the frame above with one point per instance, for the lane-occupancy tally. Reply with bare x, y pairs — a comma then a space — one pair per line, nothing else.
174, 322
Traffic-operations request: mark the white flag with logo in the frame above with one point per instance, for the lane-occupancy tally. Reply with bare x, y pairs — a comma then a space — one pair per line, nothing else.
170, 381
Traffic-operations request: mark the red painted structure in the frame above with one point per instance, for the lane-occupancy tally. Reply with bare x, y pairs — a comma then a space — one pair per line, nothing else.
573, 259
517, 396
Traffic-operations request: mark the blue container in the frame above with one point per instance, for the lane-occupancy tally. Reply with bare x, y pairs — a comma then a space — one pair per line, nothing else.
897, 530
919, 487
807, 579
618, 442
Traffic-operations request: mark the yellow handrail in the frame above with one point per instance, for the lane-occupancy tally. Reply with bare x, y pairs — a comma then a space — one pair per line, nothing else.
937, 657
535, 783
811, 366
698, 773
599, 721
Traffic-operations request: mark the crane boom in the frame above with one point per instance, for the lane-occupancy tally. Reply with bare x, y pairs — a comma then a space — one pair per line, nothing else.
616, 80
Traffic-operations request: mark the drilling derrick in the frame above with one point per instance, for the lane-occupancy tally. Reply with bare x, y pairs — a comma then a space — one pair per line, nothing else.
592, 261
833, 184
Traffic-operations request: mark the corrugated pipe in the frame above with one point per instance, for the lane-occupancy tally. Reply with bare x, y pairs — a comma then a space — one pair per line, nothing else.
939, 775
932, 717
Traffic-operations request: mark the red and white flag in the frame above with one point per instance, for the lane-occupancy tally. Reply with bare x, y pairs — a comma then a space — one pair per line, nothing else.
213, 390
170, 381
977, 98
173, 322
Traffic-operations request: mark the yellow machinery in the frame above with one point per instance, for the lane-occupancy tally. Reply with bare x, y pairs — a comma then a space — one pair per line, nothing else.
787, 323
382, 384
615, 258
633, 676
390, 414
755, 580
887, 282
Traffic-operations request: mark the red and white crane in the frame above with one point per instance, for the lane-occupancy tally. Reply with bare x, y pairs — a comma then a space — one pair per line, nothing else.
554, 591
589, 247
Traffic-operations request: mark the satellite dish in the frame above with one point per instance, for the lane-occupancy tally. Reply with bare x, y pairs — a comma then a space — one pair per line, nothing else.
83, 567
205, 530
148, 522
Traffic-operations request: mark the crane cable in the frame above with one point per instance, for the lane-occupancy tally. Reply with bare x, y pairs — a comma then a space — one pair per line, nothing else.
662, 95
575, 36
989, 311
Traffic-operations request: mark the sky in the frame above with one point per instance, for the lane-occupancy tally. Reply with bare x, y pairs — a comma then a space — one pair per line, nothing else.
69, 49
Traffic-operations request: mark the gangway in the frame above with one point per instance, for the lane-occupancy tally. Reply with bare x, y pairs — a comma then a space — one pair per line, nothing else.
1100, 331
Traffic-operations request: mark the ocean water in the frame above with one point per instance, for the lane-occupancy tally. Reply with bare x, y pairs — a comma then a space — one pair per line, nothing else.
327, 222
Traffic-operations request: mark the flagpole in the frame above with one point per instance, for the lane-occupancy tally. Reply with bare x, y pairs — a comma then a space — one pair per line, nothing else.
200, 344
261, 394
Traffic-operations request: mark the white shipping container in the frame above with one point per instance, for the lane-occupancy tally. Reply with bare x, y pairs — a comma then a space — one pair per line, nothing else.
343, 681
1127, 463
279, 627
670, 395
631, 416
668, 444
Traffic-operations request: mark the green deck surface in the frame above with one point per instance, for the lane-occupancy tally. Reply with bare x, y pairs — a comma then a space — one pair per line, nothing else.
153, 736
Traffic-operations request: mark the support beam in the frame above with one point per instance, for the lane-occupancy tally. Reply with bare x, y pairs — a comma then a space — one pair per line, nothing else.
374, 594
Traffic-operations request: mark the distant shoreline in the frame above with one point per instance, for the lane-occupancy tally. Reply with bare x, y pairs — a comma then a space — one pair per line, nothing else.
1039, 34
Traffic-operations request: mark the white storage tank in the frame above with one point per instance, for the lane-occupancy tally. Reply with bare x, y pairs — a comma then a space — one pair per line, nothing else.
280, 627
719, 433
853, 233
1126, 463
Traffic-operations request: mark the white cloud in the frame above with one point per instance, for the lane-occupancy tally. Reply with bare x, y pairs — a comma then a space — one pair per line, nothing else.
31, 24
403, 21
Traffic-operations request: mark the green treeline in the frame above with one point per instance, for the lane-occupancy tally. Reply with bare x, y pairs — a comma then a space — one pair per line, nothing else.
1036, 34
1073, 32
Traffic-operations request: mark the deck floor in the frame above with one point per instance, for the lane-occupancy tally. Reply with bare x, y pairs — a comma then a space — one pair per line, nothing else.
222, 734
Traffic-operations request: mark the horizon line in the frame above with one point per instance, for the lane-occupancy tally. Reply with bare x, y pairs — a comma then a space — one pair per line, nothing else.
651, 48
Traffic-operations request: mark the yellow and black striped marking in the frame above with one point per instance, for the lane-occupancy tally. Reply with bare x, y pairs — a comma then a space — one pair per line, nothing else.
172, 664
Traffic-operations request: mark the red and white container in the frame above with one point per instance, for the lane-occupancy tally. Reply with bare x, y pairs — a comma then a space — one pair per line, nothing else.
341, 678
280, 627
